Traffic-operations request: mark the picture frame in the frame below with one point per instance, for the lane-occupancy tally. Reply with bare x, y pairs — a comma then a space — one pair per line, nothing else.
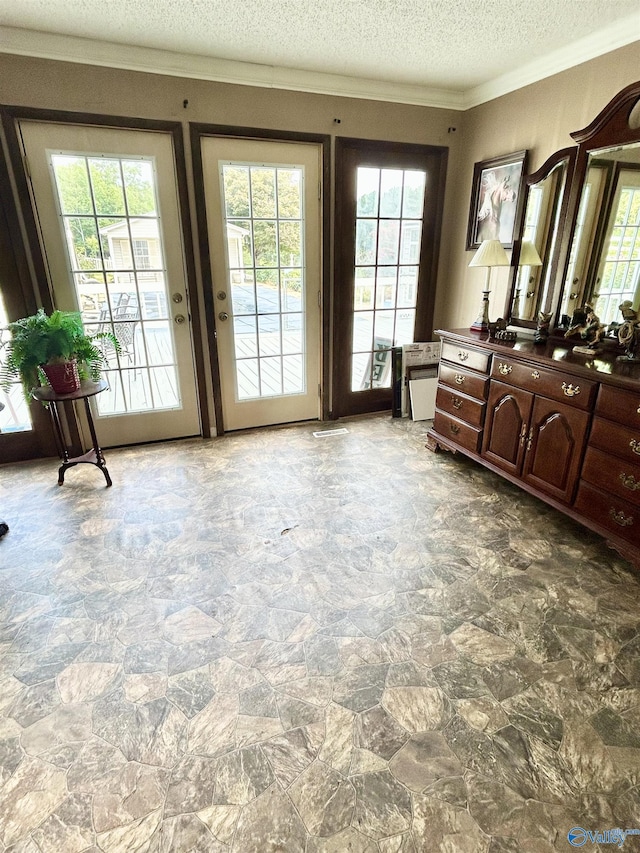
496, 199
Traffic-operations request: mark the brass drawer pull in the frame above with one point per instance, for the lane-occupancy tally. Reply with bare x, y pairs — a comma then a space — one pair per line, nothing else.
629, 482
570, 390
620, 518
455, 429
504, 369
523, 435
456, 402
530, 439
535, 374
459, 378
635, 446
462, 355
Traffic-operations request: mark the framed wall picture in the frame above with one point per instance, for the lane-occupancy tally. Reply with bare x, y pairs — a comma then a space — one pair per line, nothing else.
495, 199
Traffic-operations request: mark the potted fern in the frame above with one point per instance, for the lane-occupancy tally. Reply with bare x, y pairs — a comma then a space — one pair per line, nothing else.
53, 349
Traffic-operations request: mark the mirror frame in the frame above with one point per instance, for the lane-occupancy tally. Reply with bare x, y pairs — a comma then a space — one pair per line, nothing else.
609, 128
552, 260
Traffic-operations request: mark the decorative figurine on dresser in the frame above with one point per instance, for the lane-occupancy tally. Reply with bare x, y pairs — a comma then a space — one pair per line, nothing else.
535, 411
629, 333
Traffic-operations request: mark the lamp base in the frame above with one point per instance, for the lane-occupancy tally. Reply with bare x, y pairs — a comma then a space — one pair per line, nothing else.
481, 323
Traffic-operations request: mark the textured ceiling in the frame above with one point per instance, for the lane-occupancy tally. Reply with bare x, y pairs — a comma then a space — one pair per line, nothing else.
450, 44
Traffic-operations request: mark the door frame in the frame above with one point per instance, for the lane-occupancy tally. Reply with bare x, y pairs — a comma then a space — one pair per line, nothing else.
348, 152
197, 131
19, 301
11, 116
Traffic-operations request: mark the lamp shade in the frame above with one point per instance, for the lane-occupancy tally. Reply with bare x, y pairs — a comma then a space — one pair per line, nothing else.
529, 256
490, 254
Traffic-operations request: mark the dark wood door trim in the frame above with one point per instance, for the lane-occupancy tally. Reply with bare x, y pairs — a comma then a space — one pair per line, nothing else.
351, 152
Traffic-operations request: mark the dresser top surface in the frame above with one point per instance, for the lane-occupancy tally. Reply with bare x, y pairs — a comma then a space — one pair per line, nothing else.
601, 365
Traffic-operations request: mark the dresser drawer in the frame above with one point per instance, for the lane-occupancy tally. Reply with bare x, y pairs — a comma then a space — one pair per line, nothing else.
620, 406
466, 356
457, 431
609, 511
472, 384
615, 438
608, 472
553, 384
460, 406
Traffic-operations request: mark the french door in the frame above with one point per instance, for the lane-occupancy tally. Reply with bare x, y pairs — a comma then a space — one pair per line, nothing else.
107, 205
388, 216
262, 204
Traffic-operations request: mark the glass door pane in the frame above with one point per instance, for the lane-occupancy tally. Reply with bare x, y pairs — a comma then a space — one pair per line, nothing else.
111, 222
264, 233
388, 227
14, 417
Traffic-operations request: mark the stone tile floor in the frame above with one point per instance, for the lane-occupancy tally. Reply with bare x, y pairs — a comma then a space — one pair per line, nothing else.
275, 642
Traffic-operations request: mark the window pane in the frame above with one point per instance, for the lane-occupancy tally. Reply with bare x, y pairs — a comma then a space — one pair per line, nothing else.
106, 183
364, 288
248, 380
290, 193
263, 192
405, 323
245, 337
362, 331
265, 244
267, 291
367, 184
15, 415
236, 191
390, 192
269, 334
388, 241
271, 376
410, 242
72, 183
139, 187
360, 372
291, 289
386, 287
366, 233
413, 198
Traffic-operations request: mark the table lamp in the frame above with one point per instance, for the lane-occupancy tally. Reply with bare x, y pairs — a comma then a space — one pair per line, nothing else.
490, 254
529, 257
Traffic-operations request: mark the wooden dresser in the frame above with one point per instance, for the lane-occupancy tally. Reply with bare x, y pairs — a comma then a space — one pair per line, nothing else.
564, 426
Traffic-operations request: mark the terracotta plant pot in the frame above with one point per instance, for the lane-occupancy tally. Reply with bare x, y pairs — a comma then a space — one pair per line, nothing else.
63, 378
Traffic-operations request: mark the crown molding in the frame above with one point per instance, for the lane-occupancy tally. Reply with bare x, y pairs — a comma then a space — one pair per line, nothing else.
619, 34
150, 60
24, 42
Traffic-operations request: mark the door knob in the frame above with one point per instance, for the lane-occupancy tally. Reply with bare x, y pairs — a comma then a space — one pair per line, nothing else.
223, 315
180, 318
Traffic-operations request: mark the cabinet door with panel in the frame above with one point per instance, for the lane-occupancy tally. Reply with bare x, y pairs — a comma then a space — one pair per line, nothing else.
506, 425
554, 446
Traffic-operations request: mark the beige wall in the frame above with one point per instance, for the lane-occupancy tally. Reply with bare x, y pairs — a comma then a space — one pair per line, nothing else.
54, 85
538, 117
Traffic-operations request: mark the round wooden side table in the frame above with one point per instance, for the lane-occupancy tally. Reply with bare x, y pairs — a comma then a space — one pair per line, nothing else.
87, 389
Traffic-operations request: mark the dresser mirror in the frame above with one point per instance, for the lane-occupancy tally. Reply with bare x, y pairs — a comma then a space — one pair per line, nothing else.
603, 269
535, 254
601, 243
